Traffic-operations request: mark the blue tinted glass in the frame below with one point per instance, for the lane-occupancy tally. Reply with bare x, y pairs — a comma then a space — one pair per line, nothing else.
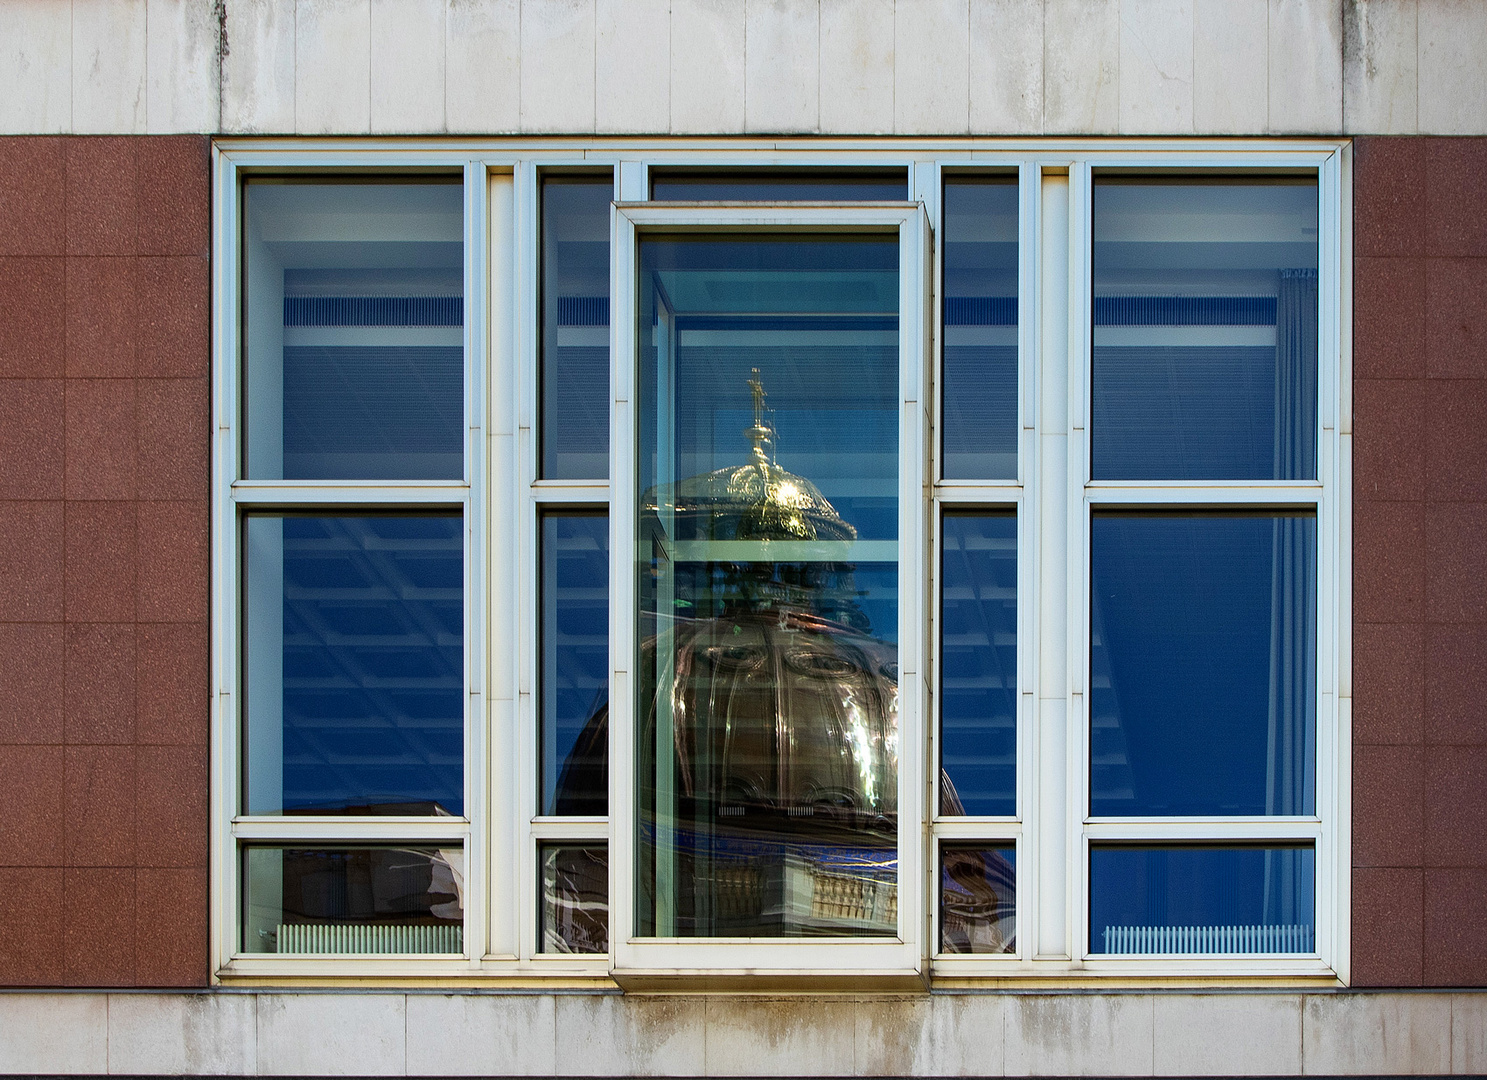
355, 665
575, 327
1202, 664
575, 664
353, 330
978, 650
978, 898
980, 357
773, 186
1202, 900
1205, 330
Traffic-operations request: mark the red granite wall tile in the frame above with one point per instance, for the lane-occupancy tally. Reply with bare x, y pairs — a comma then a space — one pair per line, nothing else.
1390, 436
1388, 683
1455, 926
104, 694
1386, 825
1388, 926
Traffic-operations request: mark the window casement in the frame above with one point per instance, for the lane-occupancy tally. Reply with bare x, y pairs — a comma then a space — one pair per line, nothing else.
757, 568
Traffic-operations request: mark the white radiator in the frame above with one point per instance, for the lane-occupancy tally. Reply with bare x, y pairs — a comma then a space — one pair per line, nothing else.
358, 938
1209, 939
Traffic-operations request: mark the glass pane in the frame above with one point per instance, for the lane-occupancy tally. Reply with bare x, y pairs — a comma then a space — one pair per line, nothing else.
1203, 664
353, 330
355, 665
575, 327
1205, 330
771, 185
353, 900
575, 898
575, 664
767, 708
1202, 900
980, 352
978, 658
978, 898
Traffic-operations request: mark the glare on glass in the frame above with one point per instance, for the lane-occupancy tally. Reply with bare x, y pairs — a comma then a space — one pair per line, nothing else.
979, 364
1205, 329
1202, 899
353, 330
575, 898
767, 704
978, 898
354, 664
364, 899
978, 663
781, 185
575, 663
575, 327
1203, 664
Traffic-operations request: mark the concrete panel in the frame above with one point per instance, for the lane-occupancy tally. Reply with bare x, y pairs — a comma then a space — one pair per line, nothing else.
35, 67
610, 1035
53, 1033
1226, 1034
557, 71
1006, 67
332, 61
782, 66
856, 95
482, 66
258, 68
108, 66
1379, 53
632, 66
1067, 1035
707, 66
1389, 1034
944, 1035
1081, 67
332, 1034
1156, 67
407, 66
181, 67
931, 73
1305, 67
1230, 77
183, 1034
1453, 85
780, 1037
481, 1035
1469, 1034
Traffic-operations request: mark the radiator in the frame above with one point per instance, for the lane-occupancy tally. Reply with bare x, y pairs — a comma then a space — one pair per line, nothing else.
359, 938
1209, 939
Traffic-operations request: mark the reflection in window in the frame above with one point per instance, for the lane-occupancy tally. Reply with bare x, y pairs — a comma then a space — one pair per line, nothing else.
979, 369
355, 664
775, 185
575, 664
1176, 899
978, 898
575, 898
353, 330
1205, 329
767, 706
978, 651
353, 900
1203, 664
575, 327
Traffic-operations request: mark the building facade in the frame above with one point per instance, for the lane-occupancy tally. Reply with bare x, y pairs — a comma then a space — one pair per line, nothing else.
786, 538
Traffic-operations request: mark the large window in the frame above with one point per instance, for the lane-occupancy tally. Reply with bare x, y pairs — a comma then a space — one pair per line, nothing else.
770, 569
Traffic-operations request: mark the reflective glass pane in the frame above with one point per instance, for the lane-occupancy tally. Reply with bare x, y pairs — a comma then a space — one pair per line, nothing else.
767, 706
1203, 664
1202, 899
1205, 329
771, 185
575, 327
978, 898
353, 330
354, 664
300, 900
980, 352
575, 898
575, 664
978, 664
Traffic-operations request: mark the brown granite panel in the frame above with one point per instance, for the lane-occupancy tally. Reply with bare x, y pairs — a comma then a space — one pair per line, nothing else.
1456, 318
101, 439
98, 926
1455, 667
1456, 440
102, 317
1388, 318
31, 561
172, 684
100, 561
1389, 196
33, 319
100, 697
1455, 586
31, 683
1455, 809
1389, 435
1386, 825
32, 926
1388, 561
1455, 930
174, 551
173, 203
31, 806
31, 425
174, 320
1457, 193
99, 791
174, 449
170, 950
170, 805
1388, 683
102, 211
1388, 918
32, 196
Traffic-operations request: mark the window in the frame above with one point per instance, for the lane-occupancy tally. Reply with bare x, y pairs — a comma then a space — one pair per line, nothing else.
766, 567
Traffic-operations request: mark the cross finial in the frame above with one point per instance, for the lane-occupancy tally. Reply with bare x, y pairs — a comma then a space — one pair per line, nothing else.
760, 434
758, 388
